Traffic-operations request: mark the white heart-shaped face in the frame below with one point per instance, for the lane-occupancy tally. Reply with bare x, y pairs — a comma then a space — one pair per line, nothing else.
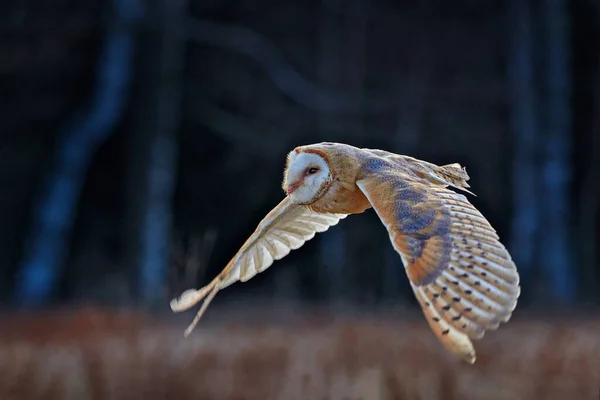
305, 175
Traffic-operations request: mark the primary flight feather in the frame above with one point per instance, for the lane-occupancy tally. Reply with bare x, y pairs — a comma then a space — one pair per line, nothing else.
462, 276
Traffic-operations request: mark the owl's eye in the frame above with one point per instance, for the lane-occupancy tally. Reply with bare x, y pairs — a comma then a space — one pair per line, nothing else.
312, 170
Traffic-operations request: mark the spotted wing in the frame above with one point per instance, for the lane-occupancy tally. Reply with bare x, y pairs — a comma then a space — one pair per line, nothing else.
285, 228
462, 276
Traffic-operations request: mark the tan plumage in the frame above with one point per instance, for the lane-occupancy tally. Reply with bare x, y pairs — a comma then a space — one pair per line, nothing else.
462, 276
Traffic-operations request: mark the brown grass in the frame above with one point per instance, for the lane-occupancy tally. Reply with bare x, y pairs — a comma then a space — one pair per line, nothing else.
103, 355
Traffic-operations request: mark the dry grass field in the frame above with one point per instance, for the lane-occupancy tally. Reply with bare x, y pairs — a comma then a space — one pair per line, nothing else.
98, 354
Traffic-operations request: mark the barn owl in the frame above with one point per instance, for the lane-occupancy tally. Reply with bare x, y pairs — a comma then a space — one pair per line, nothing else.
462, 276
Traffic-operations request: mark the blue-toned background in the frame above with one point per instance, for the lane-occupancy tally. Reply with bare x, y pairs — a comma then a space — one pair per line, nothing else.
141, 143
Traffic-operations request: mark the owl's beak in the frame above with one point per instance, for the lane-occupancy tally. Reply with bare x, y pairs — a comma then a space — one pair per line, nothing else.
291, 188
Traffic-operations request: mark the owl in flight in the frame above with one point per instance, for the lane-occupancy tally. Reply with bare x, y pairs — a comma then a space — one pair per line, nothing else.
462, 276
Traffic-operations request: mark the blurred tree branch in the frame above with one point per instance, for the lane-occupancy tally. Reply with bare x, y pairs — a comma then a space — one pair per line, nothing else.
285, 77
191, 256
235, 129
250, 135
57, 203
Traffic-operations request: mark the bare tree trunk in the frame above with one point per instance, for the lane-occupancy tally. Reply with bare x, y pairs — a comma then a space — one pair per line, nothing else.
589, 207
55, 212
154, 150
555, 247
333, 242
588, 211
523, 100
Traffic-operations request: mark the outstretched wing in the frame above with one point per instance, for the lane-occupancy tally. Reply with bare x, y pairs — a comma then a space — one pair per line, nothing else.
462, 276
285, 228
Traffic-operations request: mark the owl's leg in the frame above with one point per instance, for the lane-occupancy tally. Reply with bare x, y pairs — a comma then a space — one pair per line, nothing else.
205, 304
191, 297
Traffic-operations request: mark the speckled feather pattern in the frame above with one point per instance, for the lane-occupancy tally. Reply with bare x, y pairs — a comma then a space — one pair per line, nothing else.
461, 274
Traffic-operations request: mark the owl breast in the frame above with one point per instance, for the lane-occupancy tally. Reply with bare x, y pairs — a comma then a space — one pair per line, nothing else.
342, 198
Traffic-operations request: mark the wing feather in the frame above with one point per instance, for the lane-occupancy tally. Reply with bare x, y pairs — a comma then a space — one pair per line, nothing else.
285, 228
462, 276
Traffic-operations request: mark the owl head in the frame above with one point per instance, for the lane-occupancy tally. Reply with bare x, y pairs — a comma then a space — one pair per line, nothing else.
307, 174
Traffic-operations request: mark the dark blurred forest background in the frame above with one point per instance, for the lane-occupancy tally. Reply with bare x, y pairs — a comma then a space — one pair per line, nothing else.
142, 141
